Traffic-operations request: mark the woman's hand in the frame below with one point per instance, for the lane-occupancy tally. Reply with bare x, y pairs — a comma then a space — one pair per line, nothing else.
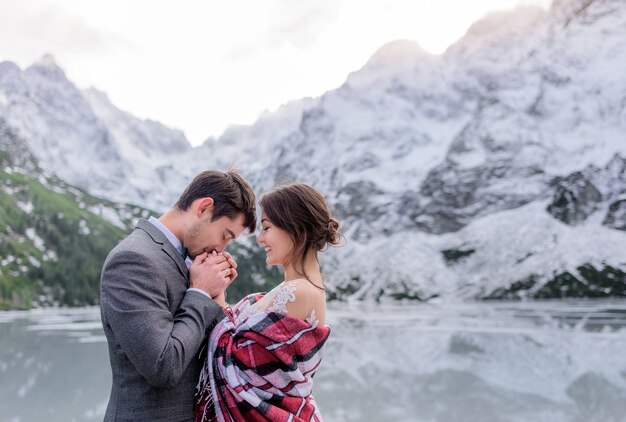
233, 266
221, 300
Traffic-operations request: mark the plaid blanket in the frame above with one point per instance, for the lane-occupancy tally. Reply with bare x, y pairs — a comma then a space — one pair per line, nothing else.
259, 366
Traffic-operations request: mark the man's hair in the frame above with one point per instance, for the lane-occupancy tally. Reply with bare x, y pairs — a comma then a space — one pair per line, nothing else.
231, 193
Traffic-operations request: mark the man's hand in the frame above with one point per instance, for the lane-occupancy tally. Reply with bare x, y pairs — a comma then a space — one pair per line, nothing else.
212, 273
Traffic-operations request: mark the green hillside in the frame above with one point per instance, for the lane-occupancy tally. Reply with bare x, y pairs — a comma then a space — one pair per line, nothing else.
52, 240
53, 244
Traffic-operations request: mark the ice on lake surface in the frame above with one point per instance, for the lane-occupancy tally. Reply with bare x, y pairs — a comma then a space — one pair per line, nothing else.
487, 361
480, 361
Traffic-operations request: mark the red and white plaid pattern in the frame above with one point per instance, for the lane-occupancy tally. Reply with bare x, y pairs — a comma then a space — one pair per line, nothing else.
260, 368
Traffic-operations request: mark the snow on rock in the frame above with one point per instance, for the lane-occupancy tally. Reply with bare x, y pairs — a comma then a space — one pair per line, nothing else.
458, 174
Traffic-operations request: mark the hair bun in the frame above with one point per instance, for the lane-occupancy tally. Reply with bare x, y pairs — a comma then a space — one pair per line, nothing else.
302, 211
333, 235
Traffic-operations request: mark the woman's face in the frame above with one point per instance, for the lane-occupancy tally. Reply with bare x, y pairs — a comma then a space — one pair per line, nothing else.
277, 242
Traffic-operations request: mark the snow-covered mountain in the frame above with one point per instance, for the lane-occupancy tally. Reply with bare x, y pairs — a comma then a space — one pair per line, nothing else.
497, 169
494, 170
83, 138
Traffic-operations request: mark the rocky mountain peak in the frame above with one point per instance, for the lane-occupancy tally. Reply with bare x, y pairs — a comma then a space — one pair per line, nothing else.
399, 52
585, 12
47, 67
488, 149
8, 68
505, 21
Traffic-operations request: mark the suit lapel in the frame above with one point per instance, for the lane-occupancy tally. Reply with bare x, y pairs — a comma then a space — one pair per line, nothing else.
179, 260
169, 249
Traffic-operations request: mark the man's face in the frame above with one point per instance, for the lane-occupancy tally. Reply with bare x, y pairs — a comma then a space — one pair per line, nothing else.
207, 236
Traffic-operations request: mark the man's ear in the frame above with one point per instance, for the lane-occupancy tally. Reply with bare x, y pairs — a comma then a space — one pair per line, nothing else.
204, 205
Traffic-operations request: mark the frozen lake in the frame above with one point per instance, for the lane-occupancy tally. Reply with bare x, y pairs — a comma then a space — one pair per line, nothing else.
481, 361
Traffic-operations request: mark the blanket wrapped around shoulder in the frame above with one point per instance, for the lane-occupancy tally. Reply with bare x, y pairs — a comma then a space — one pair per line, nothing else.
259, 366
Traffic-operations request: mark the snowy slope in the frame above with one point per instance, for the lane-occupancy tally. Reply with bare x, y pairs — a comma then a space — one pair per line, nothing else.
82, 137
497, 169
476, 150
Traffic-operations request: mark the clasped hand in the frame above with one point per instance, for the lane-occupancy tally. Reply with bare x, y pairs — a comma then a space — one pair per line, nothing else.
212, 272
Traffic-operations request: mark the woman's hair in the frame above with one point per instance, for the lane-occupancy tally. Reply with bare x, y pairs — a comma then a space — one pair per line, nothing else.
304, 214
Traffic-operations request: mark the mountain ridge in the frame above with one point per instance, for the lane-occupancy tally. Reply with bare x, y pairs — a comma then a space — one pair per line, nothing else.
513, 124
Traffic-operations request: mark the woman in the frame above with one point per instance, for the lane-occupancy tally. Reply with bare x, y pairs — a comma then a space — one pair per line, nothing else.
261, 358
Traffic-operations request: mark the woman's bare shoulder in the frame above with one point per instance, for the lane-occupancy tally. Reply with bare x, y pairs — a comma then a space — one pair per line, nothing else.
308, 300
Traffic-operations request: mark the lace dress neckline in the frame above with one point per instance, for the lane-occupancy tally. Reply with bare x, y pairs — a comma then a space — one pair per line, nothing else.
276, 300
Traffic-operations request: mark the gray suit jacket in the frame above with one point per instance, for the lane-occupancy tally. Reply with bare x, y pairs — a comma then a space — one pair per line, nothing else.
154, 328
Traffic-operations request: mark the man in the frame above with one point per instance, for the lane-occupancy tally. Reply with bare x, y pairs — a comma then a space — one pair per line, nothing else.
155, 314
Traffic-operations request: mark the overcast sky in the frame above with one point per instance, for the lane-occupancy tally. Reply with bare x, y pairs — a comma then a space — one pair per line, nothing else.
200, 66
